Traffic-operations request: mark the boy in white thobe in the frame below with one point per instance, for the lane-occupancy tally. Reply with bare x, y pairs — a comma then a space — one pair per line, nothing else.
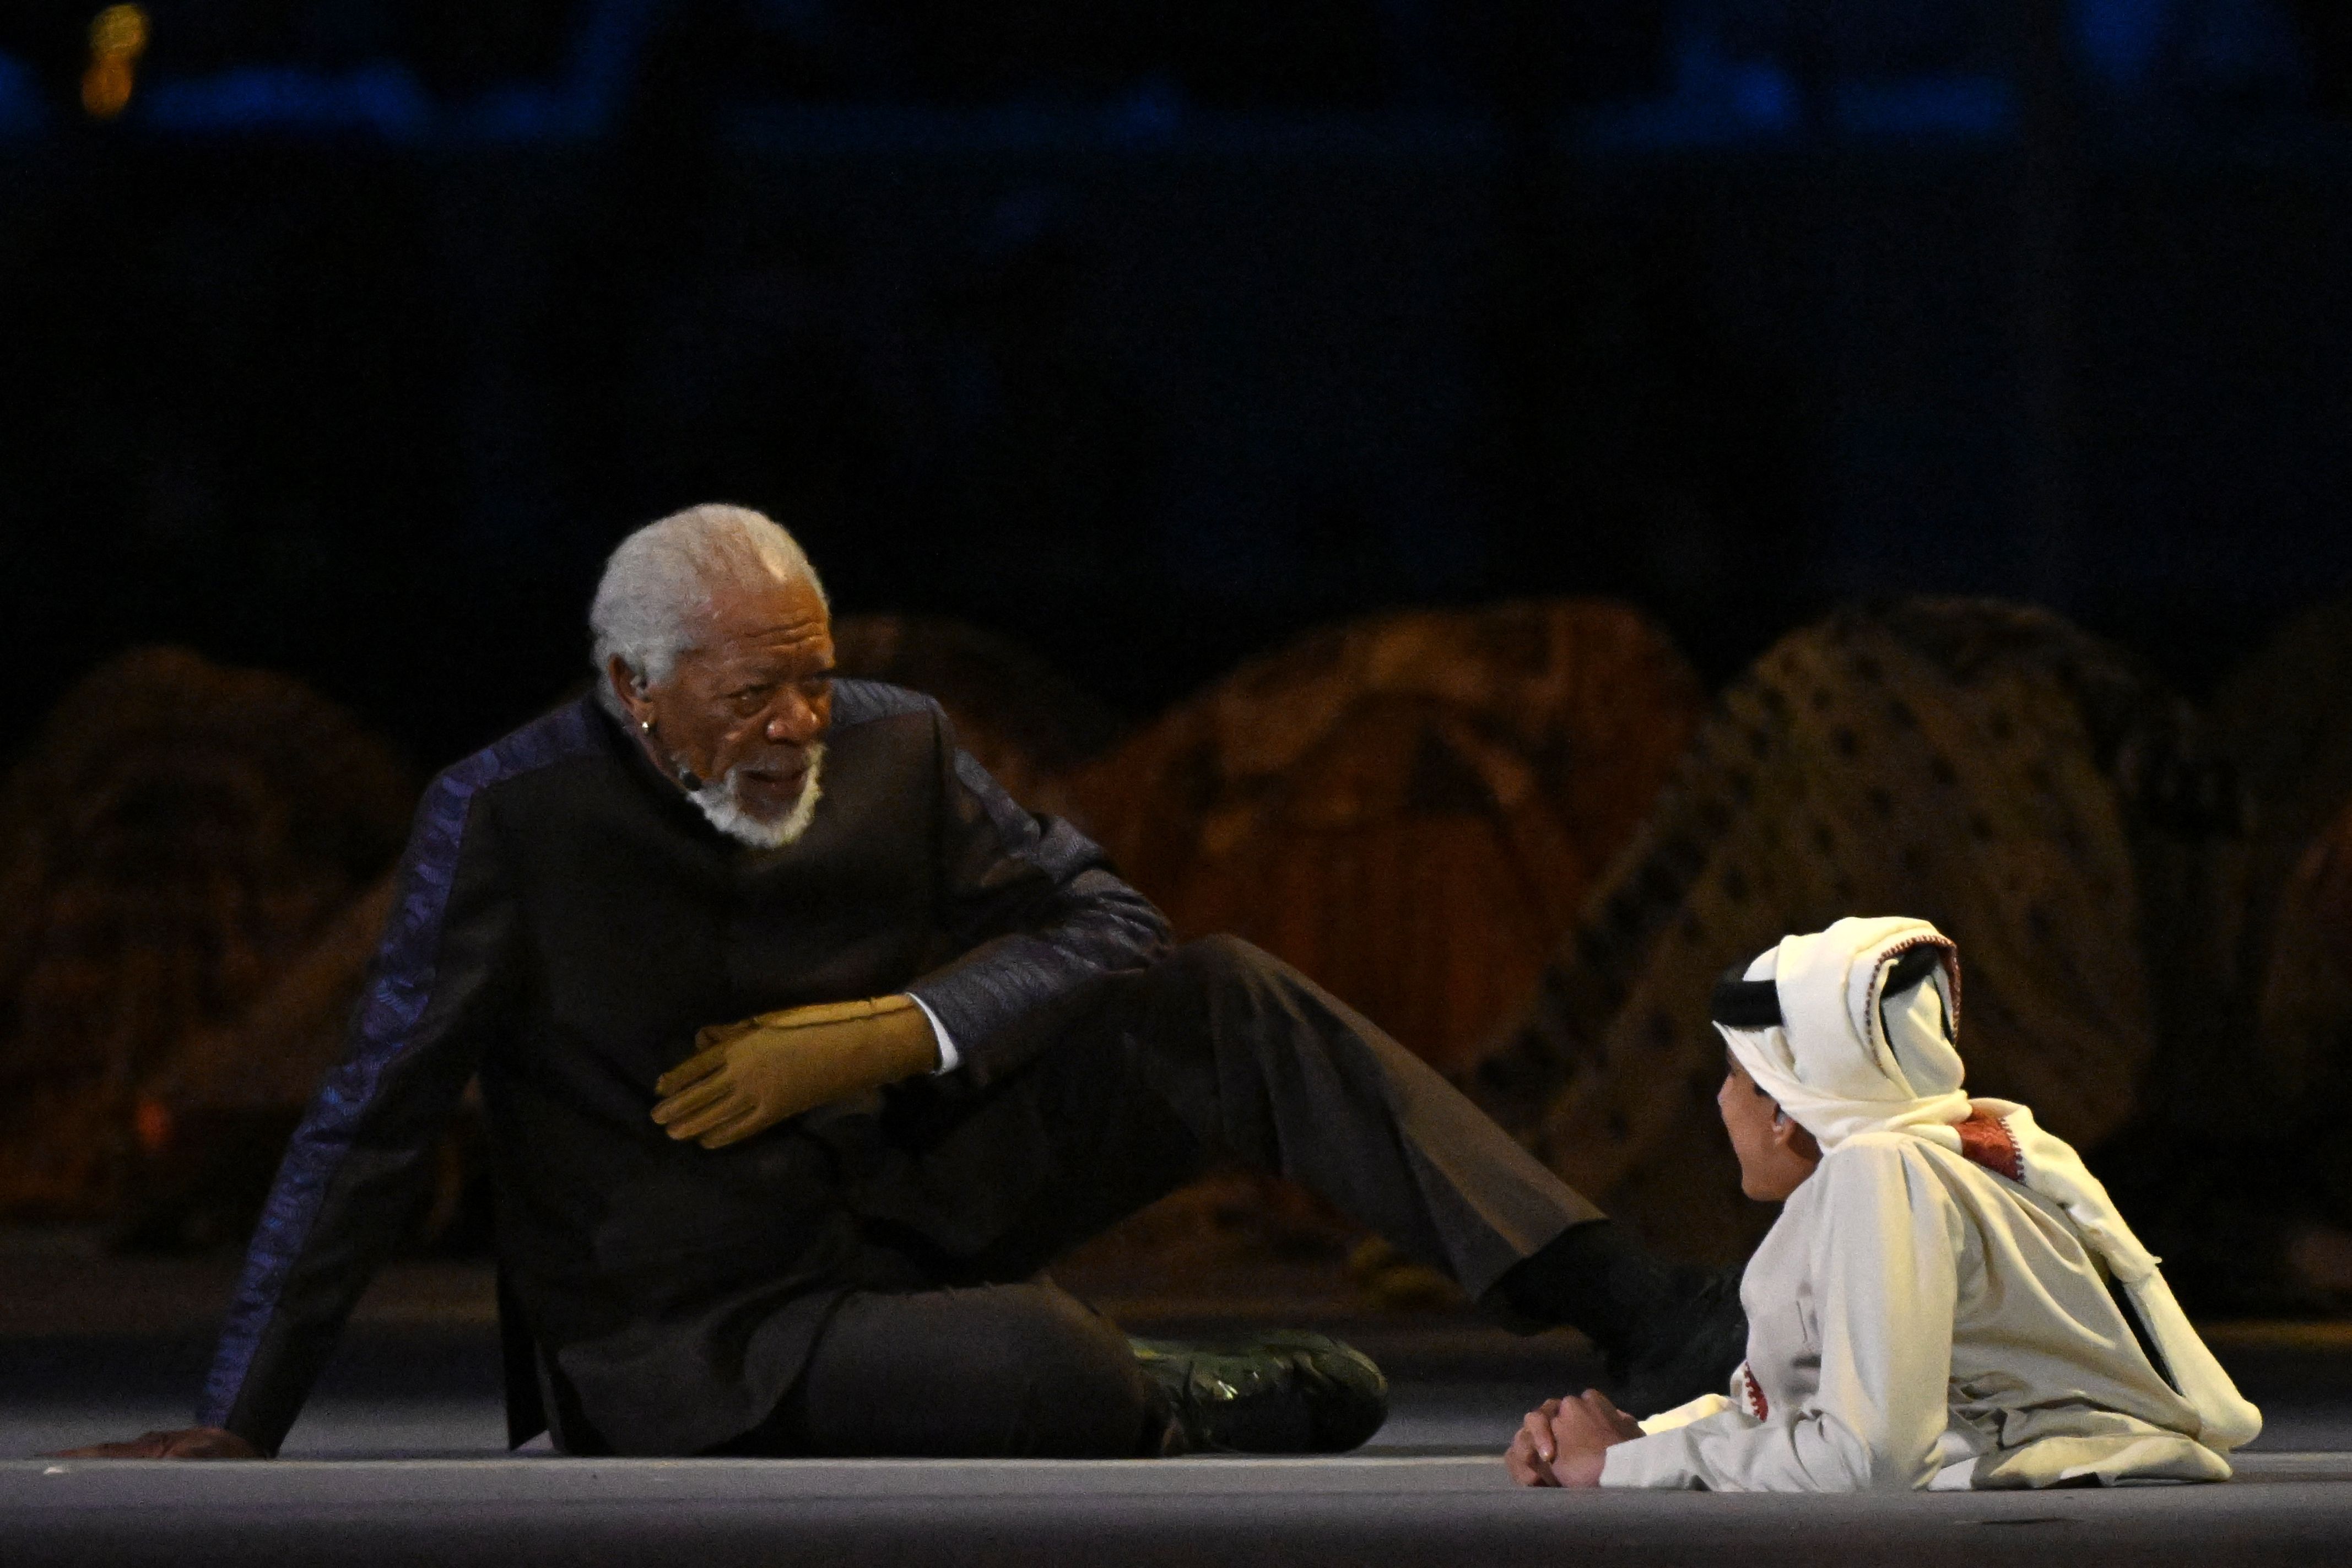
1948, 1298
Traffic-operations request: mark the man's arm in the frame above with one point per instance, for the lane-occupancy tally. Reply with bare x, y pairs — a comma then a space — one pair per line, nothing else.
361, 1157
1886, 1287
1038, 908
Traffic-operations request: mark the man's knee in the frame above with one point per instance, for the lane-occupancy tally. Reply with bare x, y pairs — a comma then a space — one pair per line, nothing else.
1241, 991
1203, 993
1215, 963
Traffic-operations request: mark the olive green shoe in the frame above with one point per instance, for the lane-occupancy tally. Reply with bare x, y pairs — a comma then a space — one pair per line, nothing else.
1287, 1392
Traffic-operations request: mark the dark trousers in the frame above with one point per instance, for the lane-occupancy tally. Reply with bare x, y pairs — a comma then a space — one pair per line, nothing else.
1221, 1049
1009, 1372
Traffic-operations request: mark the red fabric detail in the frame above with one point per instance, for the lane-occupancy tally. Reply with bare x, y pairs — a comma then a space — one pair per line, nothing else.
1757, 1405
1951, 965
1987, 1141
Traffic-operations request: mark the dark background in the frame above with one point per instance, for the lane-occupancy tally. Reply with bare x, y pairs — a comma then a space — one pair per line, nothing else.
1152, 334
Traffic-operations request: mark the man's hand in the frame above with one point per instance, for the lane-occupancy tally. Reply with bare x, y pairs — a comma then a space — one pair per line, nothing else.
189, 1442
1563, 1442
749, 1076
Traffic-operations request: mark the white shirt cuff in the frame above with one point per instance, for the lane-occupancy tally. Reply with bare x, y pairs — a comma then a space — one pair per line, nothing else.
950, 1059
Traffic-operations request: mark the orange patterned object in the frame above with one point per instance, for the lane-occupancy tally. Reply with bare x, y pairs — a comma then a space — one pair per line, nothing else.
1408, 807
1986, 766
1019, 717
176, 837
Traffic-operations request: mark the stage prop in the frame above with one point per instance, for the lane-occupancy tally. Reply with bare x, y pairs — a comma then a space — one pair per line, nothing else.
1409, 807
1022, 720
1986, 766
179, 838
2283, 714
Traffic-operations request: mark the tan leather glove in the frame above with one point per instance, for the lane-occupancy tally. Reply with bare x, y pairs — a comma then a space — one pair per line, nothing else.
749, 1076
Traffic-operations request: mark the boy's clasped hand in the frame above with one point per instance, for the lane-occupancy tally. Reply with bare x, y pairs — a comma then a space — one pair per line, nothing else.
1563, 1442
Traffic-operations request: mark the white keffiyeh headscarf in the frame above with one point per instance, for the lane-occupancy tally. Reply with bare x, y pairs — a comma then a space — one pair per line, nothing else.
1845, 1059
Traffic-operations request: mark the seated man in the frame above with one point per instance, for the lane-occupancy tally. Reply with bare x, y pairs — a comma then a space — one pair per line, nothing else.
794, 1086
1948, 1301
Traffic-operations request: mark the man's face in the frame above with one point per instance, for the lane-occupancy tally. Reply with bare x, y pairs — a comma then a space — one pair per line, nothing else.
749, 706
1775, 1154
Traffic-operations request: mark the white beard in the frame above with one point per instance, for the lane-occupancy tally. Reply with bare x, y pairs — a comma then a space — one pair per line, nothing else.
723, 804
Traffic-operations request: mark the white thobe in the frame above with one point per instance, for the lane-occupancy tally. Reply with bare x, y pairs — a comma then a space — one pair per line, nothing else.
1917, 1320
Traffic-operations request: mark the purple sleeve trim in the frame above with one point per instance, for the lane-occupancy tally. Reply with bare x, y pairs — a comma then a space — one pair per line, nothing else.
387, 1027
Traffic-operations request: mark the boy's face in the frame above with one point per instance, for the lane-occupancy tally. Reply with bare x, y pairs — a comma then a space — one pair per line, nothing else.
1776, 1155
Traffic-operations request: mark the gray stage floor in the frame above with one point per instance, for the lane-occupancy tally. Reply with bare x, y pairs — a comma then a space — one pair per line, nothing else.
400, 1459
1389, 1511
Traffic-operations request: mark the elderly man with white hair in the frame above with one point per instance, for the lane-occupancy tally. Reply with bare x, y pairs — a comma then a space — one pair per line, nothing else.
1948, 1300
804, 1047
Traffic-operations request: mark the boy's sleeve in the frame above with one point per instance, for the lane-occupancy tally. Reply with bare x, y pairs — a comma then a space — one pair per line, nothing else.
1691, 1410
1671, 1458
1885, 1286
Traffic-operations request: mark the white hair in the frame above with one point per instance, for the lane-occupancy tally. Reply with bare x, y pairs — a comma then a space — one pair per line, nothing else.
659, 582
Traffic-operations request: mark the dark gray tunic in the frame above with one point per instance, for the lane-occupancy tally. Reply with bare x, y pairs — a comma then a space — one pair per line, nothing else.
567, 920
